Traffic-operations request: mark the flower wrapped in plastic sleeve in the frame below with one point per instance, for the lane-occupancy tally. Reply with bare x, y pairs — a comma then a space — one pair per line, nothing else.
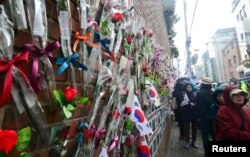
68, 101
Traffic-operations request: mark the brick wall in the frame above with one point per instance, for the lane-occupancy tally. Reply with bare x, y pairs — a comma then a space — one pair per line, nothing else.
150, 10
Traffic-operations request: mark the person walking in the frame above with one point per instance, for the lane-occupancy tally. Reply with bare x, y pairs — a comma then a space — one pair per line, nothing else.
189, 115
204, 101
233, 119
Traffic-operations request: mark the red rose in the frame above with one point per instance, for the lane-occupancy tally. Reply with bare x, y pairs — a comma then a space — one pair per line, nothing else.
117, 17
150, 34
112, 56
129, 141
129, 39
70, 93
8, 140
64, 132
128, 110
145, 67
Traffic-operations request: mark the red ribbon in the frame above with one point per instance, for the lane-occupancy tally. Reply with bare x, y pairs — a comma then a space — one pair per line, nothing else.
87, 135
37, 54
7, 66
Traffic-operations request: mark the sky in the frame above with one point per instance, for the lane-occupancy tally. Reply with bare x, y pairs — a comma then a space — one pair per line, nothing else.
210, 15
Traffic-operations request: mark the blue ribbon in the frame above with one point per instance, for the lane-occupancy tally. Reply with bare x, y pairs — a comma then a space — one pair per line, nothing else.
104, 42
64, 62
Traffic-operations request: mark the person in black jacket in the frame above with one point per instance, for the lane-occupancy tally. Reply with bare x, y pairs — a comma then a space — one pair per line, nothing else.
204, 101
189, 115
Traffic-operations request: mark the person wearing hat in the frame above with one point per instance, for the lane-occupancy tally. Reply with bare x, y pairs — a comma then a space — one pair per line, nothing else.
218, 96
233, 119
204, 101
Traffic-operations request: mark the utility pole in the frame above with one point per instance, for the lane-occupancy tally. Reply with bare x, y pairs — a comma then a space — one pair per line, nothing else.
188, 69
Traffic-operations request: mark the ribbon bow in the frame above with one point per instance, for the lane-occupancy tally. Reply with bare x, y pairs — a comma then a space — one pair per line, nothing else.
114, 143
37, 54
8, 66
97, 134
84, 38
104, 42
64, 62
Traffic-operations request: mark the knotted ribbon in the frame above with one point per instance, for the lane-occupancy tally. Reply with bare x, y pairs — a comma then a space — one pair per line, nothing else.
46, 52
97, 134
114, 143
7, 66
85, 38
64, 63
104, 42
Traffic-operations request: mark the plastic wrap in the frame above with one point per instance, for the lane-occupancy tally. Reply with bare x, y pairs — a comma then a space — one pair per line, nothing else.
104, 77
64, 18
83, 8
18, 14
37, 21
94, 64
33, 109
94, 4
6, 35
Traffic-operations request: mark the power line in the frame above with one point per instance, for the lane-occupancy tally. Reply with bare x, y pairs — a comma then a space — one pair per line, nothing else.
193, 17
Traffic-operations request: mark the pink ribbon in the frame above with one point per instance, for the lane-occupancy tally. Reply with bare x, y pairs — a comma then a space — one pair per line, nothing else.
37, 54
97, 134
113, 143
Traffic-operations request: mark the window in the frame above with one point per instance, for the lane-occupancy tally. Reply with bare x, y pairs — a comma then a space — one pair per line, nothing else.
241, 15
247, 35
229, 63
238, 17
235, 60
232, 44
244, 11
228, 51
245, 56
241, 36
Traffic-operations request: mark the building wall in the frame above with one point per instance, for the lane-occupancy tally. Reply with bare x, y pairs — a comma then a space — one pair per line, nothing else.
242, 26
231, 58
220, 39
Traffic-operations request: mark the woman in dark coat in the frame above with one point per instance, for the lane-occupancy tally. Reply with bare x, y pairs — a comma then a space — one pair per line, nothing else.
189, 115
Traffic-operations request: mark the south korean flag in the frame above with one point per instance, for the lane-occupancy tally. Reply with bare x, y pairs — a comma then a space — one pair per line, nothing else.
137, 116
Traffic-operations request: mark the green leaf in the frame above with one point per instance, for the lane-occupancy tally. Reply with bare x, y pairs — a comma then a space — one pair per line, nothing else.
24, 154
2, 154
82, 100
104, 24
67, 112
59, 96
70, 107
129, 125
24, 137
